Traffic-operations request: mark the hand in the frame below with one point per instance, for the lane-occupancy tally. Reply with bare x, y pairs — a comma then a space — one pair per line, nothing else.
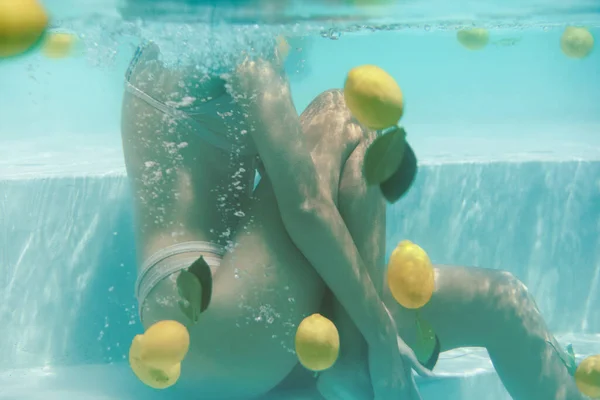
258, 84
390, 364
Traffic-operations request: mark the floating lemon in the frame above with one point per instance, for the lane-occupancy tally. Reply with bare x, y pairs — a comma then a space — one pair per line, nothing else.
587, 376
165, 343
317, 343
473, 39
58, 45
22, 25
155, 357
154, 377
373, 97
576, 42
410, 275
283, 48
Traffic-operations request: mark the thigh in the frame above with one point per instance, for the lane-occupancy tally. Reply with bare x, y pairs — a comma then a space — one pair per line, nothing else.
262, 290
493, 309
465, 306
174, 173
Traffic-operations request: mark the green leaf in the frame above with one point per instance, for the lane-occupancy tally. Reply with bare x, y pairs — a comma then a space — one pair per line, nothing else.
190, 290
195, 288
570, 362
401, 181
426, 341
202, 271
384, 156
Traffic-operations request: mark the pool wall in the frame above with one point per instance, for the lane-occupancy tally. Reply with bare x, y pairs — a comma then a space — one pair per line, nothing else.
68, 260
68, 257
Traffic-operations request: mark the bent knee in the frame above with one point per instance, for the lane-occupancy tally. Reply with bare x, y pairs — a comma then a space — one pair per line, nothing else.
331, 100
513, 302
508, 291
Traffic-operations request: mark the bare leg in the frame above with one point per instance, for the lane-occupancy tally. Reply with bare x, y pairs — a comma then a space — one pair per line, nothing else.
476, 307
492, 309
176, 178
363, 209
243, 343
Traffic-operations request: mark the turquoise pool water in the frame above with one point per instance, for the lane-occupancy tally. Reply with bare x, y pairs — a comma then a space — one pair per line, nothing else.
508, 142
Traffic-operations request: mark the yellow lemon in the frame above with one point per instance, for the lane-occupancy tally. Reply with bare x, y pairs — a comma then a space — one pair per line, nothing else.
410, 275
317, 343
155, 357
22, 24
283, 48
473, 39
165, 343
587, 376
576, 42
373, 97
156, 378
58, 45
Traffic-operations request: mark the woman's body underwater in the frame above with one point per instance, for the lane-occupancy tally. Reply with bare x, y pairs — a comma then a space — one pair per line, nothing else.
193, 197
242, 346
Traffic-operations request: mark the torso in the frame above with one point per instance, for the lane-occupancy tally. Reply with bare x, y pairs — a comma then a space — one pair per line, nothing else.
200, 174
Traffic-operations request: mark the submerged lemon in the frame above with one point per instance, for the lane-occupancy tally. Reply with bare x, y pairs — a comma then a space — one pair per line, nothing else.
165, 343
576, 42
22, 24
473, 39
317, 343
58, 45
155, 357
587, 376
154, 377
410, 275
283, 48
373, 97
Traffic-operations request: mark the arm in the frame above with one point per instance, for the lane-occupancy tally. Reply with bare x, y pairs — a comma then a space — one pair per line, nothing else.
308, 209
